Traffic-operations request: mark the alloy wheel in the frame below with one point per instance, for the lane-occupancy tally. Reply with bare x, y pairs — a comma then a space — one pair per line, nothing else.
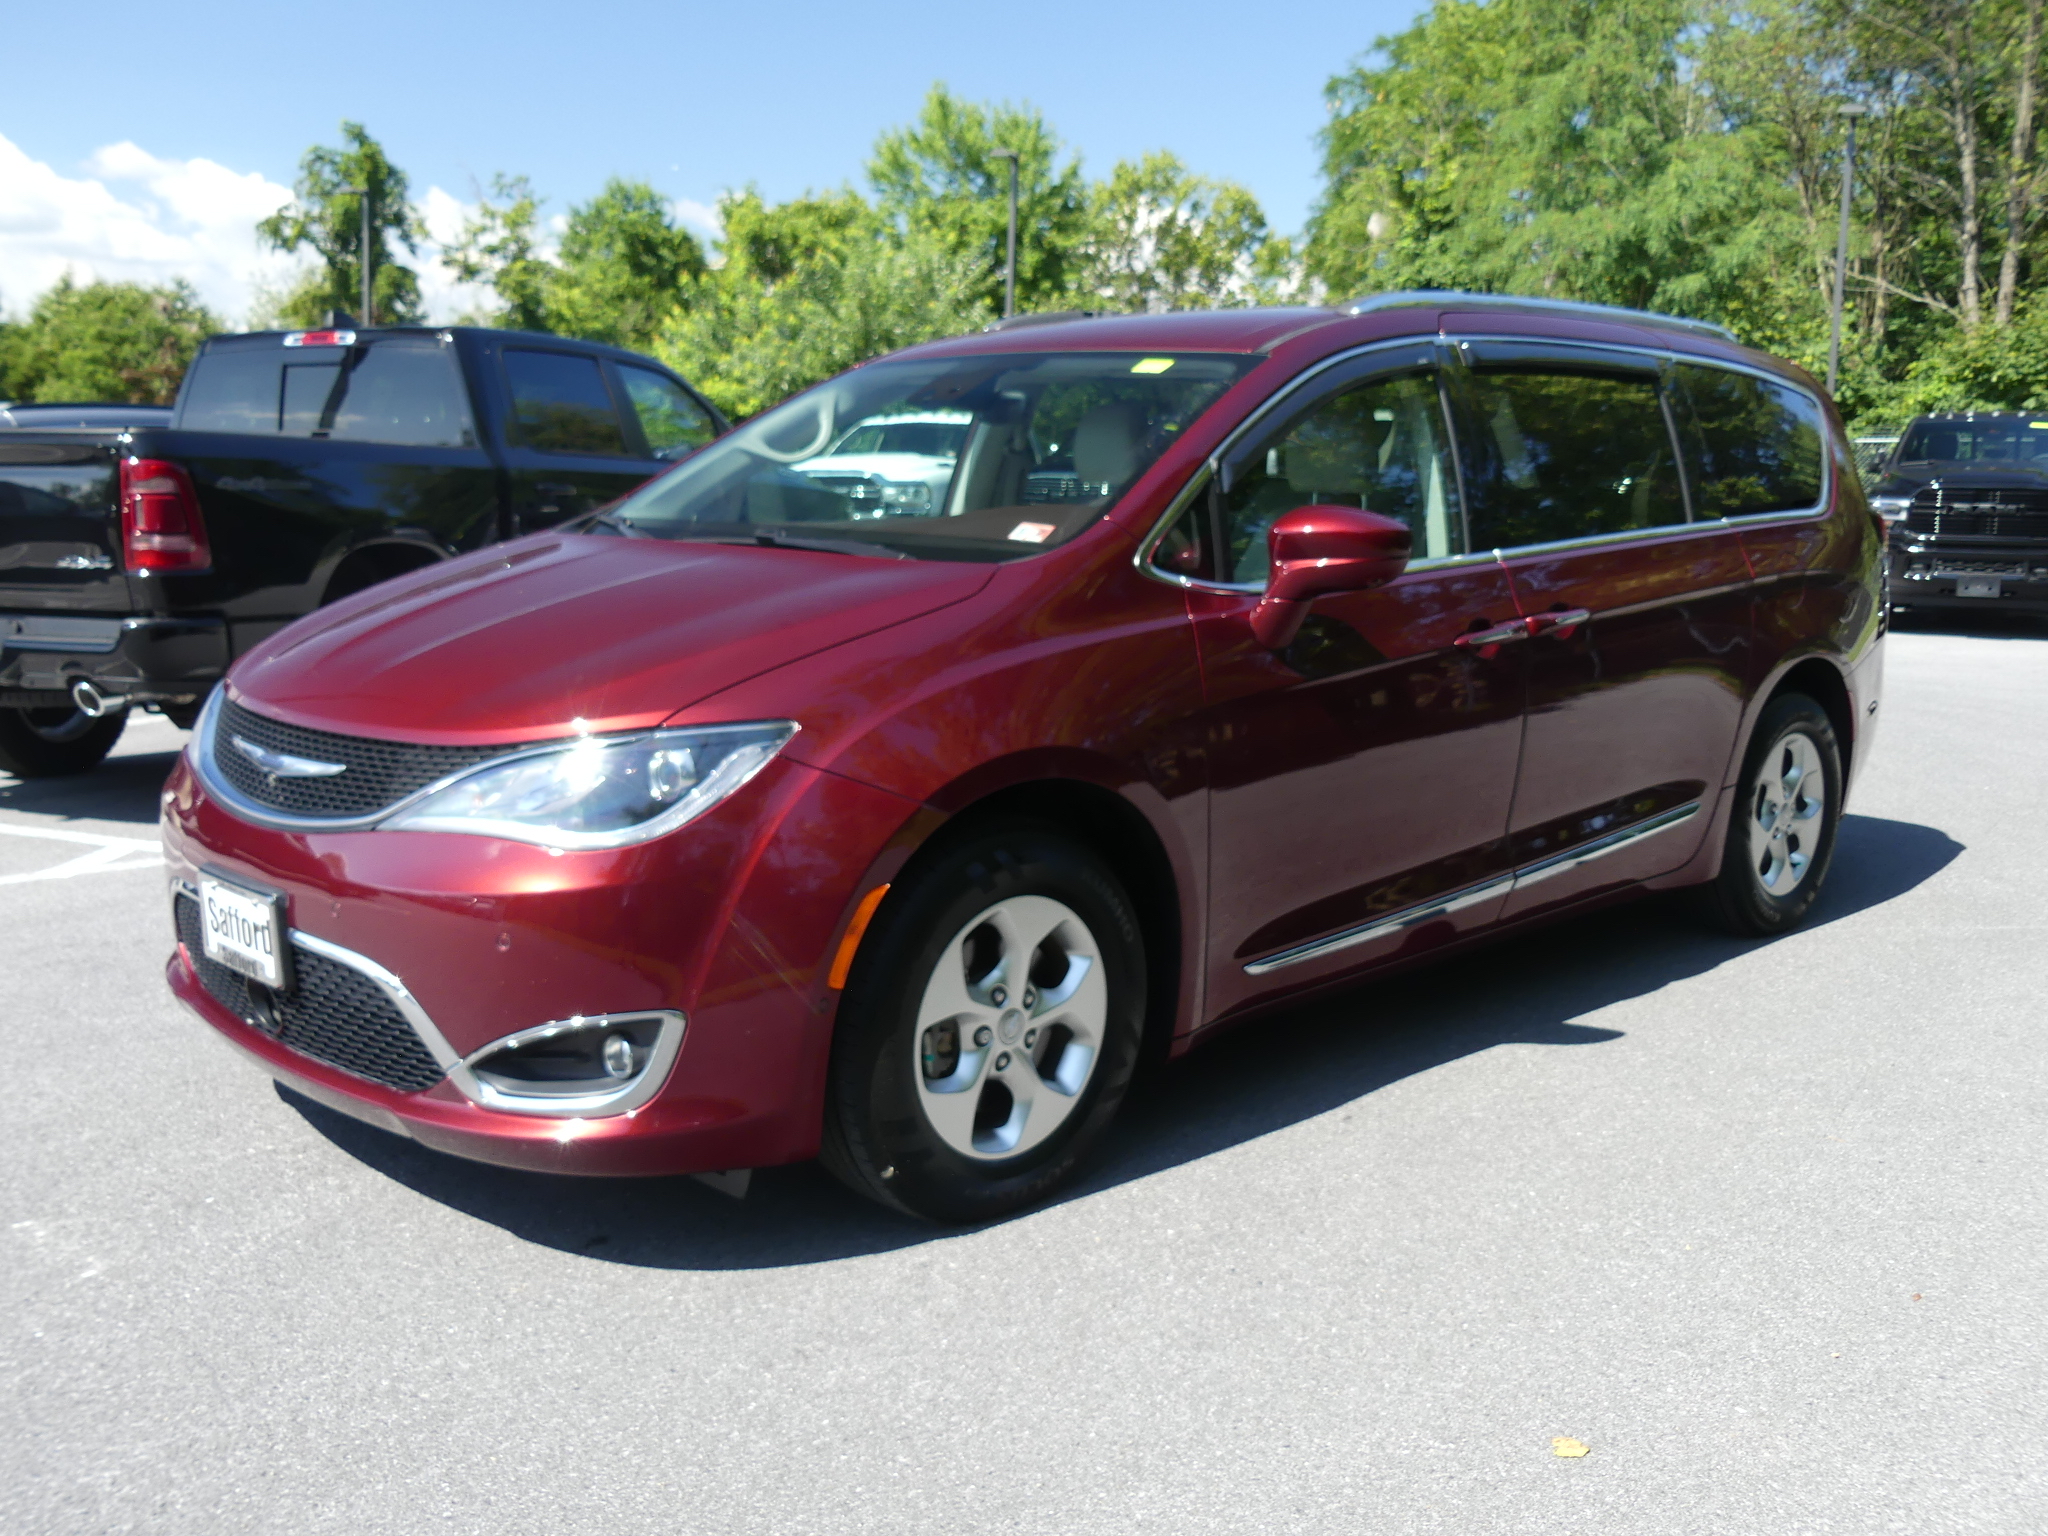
1786, 813
1009, 1028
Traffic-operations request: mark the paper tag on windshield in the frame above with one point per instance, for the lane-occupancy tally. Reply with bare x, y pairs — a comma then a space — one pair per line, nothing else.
1031, 533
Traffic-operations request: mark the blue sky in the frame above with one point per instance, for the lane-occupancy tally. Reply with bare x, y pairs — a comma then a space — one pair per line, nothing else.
156, 105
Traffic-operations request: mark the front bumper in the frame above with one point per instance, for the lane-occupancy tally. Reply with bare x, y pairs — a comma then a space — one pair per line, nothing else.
728, 924
1924, 574
154, 659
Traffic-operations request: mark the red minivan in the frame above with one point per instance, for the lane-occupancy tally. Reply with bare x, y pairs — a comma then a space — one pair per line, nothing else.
884, 782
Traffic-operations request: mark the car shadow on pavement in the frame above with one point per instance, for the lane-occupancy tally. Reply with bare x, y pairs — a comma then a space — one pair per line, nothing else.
1989, 624
119, 789
1258, 1078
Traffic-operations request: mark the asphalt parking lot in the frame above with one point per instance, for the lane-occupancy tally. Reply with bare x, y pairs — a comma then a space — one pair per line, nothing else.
1761, 1225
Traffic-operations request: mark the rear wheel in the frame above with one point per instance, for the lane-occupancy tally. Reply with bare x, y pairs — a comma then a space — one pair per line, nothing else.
989, 1031
45, 743
1781, 835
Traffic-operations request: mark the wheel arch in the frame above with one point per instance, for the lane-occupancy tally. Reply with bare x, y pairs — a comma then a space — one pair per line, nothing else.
1820, 680
1112, 826
364, 565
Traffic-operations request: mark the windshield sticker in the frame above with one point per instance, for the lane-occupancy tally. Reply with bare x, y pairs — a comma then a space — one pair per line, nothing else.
1152, 365
1031, 533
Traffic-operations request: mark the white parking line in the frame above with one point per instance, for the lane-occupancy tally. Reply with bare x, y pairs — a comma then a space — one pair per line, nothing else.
108, 854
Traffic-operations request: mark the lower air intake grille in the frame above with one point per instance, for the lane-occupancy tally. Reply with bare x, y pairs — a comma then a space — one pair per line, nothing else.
335, 1014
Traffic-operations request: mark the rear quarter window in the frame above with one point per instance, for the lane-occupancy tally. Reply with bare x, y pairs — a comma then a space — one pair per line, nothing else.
1756, 446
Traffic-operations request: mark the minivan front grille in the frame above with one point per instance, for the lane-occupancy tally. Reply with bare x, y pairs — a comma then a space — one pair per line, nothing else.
2003, 512
375, 773
334, 1014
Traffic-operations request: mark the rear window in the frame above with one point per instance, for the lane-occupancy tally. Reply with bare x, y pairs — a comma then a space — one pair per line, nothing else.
1757, 447
404, 391
561, 403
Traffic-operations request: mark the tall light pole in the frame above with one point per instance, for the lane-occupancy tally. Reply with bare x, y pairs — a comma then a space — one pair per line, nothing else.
1851, 111
1010, 260
363, 196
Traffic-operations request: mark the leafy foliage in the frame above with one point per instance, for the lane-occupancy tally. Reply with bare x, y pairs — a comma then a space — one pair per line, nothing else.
117, 342
1164, 238
808, 289
940, 181
1685, 155
328, 220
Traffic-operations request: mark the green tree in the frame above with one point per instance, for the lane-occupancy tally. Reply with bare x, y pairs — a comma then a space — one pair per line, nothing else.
940, 181
1164, 238
104, 341
328, 220
808, 289
499, 248
625, 265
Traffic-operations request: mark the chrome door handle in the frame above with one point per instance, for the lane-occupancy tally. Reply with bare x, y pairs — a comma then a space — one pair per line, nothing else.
1559, 624
1487, 642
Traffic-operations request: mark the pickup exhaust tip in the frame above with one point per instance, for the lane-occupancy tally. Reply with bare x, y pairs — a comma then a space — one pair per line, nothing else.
92, 703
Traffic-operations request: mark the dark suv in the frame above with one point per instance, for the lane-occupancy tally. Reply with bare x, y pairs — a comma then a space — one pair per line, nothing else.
1240, 655
1967, 497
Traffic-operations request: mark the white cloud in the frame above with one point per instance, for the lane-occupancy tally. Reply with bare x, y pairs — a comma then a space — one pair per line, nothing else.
700, 219
193, 219
135, 218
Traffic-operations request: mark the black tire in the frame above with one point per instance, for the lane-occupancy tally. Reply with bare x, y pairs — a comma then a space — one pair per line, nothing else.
878, 1137
1763, 889
47, 743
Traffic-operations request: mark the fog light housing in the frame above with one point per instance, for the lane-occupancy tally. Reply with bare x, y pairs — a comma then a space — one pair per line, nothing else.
600, 1064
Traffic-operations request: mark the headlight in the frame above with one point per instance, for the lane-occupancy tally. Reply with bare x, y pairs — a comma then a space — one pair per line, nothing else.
601, 792
1891, 508
914, 494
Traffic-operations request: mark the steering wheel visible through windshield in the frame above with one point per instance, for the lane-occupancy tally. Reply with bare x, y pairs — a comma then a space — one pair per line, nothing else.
955, 458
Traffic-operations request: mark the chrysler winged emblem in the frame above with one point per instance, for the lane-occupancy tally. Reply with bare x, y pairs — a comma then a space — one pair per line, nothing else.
282, 765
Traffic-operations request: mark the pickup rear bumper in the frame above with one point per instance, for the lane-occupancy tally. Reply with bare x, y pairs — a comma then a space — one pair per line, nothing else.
42, 655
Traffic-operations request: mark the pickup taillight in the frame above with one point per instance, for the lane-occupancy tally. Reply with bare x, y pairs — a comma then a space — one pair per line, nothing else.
161, 529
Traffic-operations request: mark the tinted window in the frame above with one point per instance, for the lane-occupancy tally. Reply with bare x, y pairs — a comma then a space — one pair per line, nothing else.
561, 404
1758, 447
1380, 445
307, 387
1976, 440
1559, 455
402, 392
236, 389
674, 423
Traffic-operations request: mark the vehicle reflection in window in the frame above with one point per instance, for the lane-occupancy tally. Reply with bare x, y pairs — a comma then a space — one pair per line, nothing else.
958, 458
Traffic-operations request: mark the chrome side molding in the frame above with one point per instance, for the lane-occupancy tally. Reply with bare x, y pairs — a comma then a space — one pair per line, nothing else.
1473, 895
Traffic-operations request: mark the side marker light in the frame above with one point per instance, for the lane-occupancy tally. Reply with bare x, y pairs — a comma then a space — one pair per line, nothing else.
842, 962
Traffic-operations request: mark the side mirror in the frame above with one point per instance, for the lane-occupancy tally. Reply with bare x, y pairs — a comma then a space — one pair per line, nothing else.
1319, 550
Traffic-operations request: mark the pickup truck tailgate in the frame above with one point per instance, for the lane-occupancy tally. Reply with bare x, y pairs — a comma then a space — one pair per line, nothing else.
60, 527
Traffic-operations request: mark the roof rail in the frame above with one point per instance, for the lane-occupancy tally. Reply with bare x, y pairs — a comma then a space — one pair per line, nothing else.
1443, 298
1046, 317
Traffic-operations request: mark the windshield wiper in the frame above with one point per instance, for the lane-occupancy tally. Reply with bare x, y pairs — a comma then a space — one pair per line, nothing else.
620, 525
774, 538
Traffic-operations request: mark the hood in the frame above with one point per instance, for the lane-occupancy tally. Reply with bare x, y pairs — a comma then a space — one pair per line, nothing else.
522, 640
1907, 479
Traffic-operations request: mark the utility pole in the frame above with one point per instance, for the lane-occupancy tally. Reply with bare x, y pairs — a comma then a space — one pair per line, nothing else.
363, 196
1851, 111
1010, 261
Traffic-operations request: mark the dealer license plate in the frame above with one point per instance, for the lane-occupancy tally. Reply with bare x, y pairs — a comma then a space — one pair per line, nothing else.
243, 929
1977, 586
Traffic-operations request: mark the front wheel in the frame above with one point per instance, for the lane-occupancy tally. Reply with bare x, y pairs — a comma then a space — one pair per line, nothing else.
989, 1029
1781, 835
44, 743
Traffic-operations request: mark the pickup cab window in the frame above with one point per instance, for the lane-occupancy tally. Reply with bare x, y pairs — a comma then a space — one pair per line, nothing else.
561, 404
399, 390
674, 425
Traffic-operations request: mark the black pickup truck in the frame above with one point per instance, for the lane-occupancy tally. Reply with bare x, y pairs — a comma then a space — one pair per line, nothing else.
139, 556
1967, 499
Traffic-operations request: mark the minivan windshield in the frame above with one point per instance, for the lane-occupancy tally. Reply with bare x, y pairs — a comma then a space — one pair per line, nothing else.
1987, 440
952, 458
